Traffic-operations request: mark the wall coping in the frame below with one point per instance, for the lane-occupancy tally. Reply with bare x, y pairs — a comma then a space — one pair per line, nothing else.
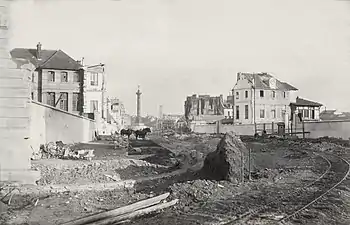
60, 110
328, 121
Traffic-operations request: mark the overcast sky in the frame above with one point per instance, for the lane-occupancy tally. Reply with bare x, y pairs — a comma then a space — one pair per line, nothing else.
175, 48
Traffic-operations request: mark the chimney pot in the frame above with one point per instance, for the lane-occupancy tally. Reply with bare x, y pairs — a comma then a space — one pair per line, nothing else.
38, 50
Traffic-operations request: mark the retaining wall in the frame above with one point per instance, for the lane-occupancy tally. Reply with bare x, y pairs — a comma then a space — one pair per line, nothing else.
51, 124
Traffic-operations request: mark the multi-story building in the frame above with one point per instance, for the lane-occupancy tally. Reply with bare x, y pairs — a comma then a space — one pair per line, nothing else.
261, 98
57, 79
116, 113
95, 101
203, 105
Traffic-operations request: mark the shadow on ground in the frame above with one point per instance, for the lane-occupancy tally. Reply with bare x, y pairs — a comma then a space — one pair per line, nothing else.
155, 153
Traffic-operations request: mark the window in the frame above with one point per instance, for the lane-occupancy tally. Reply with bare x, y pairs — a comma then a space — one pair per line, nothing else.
312, 114
246, 94
50, 98
273, 94
237, 112
273, 113
64, 77
283, 113
94, 105
76, 106
64, 101
262, 113
284, 94
237, 95
33, 77
75, 77
32, 95
246, 112
51, 76
306, 113
94, 79
262, 93
229, 114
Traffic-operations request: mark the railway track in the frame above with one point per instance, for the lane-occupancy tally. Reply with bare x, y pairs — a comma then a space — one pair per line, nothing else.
290, 206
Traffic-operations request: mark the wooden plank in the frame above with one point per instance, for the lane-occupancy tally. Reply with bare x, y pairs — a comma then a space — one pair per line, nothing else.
137, 213
119, 211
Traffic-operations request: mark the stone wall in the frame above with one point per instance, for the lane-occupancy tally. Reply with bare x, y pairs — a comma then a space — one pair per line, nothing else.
51, 124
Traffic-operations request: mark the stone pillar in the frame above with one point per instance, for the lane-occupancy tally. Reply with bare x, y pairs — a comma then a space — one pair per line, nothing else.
15, 151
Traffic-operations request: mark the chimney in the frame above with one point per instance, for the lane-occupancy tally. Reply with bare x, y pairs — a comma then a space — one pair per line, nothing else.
38, 51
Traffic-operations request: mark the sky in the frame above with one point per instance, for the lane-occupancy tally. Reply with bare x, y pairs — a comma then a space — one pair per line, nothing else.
176, 48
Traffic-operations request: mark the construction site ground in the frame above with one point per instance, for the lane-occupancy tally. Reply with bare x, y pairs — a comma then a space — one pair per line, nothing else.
70, 189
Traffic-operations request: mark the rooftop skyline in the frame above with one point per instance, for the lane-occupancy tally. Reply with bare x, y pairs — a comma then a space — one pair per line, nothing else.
174, 48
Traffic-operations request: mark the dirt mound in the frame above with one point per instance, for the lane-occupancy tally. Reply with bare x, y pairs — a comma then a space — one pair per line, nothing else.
225, 162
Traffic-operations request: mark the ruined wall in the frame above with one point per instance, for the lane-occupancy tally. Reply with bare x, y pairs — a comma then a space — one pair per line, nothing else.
51, 124
203, 105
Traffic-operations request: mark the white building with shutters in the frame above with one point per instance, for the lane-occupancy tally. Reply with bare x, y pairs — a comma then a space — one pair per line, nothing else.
94, 91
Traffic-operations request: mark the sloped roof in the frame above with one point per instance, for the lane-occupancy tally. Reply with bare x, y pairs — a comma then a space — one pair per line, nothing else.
50, 59
262, 82
305, 102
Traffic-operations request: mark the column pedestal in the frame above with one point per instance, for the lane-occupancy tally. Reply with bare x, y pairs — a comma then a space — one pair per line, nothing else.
15, 151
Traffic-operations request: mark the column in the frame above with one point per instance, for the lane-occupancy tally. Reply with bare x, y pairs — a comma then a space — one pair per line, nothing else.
15, 151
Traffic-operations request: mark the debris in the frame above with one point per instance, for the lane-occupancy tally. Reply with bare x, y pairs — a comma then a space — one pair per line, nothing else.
137, 213
119, 211
225, 162
115, 177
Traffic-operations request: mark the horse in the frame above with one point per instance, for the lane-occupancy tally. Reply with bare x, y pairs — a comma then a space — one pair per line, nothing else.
126, 132
142, 133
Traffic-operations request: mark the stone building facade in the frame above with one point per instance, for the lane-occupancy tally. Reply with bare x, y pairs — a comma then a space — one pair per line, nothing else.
203, 105
94, 94
58, 79
261, 98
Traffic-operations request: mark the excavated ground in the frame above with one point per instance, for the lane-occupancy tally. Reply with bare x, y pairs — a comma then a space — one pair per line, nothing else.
169, 164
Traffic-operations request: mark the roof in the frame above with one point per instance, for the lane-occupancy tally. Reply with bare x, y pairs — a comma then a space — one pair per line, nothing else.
50, 59
305, 102
262, 81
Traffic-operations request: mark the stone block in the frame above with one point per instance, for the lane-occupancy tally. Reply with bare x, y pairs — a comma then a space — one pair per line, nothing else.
13, 102
14, 122
14, 112
18, 93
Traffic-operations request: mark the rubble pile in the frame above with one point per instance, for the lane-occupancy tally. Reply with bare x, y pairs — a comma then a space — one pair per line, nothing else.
59, 150
225, 162
120, 142
194, 191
